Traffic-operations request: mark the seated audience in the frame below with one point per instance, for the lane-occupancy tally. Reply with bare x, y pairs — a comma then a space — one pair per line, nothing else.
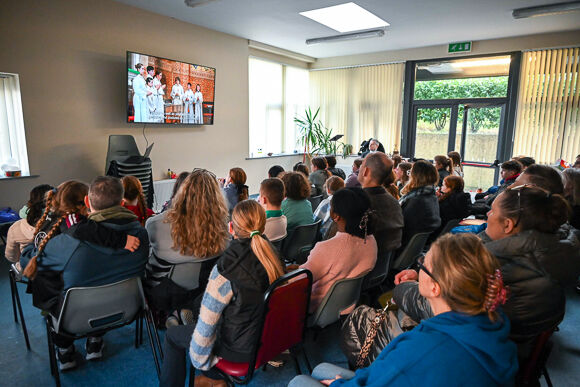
510, 170
453, 202
419, 202
576, 162
542, 176
192, 230
228, 322
373, 147
390, 185
271, 197
397, 159
58, 260
318, 176
457, 167
444, 167
352, 179
402, 174
331, 161
296, 207
333, 184
180, 178
301, 167
465, 343
525, 161
353, 249
134, 199
388, 229
572, 194
275, 171
21, 232
235, 188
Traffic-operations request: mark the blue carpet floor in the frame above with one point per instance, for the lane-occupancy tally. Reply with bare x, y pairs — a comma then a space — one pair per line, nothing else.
123, 365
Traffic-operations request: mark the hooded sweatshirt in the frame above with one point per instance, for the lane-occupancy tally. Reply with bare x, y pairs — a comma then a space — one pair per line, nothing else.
448, 349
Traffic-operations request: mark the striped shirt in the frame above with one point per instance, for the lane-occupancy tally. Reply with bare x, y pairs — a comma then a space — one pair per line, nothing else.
217, 296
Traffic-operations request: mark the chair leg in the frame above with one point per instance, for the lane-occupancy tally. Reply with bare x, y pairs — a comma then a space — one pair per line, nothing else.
152, 343
12, 290
137, 330
295, 360
156, 337
141, 330
52, 352
20, 312
191, 376
547, 377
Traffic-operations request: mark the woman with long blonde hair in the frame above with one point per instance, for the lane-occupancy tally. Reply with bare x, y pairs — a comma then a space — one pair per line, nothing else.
231, 304
193, 229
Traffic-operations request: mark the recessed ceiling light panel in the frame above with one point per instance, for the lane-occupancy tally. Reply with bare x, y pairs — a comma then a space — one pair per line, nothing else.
345, 18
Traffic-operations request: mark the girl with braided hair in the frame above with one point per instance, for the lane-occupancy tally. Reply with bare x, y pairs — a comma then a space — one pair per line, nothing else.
135, 199
466, 342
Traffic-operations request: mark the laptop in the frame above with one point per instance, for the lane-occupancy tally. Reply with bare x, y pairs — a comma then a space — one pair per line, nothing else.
139, 159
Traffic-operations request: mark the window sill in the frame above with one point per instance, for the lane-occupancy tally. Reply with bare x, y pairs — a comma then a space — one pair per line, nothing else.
274, 156
18, 177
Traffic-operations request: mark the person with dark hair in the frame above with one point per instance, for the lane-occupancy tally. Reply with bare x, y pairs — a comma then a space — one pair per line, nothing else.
457, 167
390, 185
322, 212
331, 161
353, 249
352, 179
198, 105
577, 162
397, 159
271, 197
464, 343
235, 188
572, 194
139, 95
160, 91
21, 232
58, 261
453, 202
373, 172
177, 97
188, 105
525, 161
180, 179
302, 168
543, 176
275, 170
296, 207
509, 172
318, 176
444, 167
134, 199
402, 174
419, 202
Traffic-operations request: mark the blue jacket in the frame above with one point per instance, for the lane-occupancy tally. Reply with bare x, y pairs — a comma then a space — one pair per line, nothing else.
450, 349
86, 264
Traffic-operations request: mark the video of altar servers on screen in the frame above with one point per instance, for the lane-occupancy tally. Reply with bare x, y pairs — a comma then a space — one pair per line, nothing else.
169, 92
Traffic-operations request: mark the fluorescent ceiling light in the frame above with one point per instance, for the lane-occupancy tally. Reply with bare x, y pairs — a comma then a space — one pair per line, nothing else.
350, 36
545, 10
345, 18
482, 62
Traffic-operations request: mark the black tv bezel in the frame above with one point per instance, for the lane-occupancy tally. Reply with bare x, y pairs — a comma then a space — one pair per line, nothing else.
163, 123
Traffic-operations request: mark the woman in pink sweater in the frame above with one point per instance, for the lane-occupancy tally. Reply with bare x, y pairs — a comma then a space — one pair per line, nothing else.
352, 251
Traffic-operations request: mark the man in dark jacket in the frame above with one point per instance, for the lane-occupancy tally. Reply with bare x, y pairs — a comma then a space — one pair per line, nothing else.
374, 170
67, 262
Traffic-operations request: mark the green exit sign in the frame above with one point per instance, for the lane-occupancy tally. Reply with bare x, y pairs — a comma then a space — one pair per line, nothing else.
459, 47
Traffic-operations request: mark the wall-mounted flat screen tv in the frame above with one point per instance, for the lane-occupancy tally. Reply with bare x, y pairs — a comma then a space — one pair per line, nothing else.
165, 91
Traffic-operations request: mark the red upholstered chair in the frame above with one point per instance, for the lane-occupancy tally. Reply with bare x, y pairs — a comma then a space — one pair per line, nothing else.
283, 326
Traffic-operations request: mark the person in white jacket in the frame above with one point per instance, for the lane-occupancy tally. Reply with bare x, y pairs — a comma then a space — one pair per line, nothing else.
151, 101
160, 110
177, 96
188, 101
140, 95
198, 102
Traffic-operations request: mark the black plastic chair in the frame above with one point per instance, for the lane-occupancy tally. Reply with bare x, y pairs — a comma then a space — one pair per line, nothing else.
450, 226
15, 277
379, 272
299, 242
412, 251
534, 366
315, 201
95, 310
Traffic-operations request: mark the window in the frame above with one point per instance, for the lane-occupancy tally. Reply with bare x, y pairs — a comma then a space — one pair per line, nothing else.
12, 138
277, 94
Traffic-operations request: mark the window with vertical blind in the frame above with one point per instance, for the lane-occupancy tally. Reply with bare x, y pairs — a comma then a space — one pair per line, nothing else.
277, 94
361, 102
547, 124
12, 138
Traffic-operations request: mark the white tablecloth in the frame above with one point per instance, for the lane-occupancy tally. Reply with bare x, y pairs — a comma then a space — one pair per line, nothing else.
162, 193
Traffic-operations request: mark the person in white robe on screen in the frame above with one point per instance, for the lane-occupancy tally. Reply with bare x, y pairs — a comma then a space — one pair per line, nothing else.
188, 100
151, 101
177, 96
160, 111
140, 95
198, 102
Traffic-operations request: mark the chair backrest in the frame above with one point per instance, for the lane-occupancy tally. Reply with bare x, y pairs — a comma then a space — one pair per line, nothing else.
449, 226
100, 308
342, 294
299, 242
412, 251
315, 201
379, 272
187, 274
121, 146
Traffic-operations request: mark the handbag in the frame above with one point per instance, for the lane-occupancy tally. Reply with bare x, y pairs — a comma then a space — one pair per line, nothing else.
366, 347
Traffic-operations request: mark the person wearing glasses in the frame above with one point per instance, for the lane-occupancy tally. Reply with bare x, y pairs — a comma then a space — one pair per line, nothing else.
465, 343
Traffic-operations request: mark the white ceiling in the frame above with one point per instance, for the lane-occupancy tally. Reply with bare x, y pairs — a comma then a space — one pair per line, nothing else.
414, 23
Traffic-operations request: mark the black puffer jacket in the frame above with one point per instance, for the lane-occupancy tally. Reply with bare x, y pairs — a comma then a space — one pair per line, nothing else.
240, 326
454, 206
420, 212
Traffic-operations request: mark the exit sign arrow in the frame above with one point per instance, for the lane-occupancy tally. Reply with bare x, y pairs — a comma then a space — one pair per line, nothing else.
459, 47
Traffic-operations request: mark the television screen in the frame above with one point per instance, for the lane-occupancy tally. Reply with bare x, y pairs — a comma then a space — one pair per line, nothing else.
166, 91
